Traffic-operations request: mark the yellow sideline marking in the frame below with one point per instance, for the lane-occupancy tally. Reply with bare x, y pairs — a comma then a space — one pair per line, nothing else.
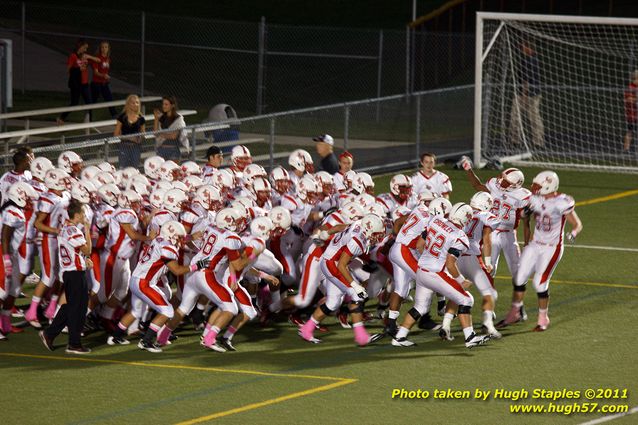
608, 198
575, 282
267, 402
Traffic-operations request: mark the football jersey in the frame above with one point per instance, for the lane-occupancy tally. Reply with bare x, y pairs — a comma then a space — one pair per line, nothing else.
159, 218
413, 227
219, 246
298, 210
191, 215
438, 183
345, 197
253, 243
14, 217
151, 265
328, 202
340, 186
550, 216
117, 241
9, 178
70, 239
474, 229
46, 204
508, 205
60, 214
208, 171
351, 240
391, 202
441, 236
30, 215
103, 213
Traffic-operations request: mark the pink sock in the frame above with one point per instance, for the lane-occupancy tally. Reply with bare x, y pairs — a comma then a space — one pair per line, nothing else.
32, 312
211, 336
163, 335
230, 332
5, 322
543, 319
206, 330
360, 334
308, 328
50, 311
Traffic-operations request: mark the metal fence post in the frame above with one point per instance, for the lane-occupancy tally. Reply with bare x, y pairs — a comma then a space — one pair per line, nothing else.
379, 70
346, 126
106, 149
142, 42
272, 143
260, 64
407, 59
418, 127
193, 144
23, 46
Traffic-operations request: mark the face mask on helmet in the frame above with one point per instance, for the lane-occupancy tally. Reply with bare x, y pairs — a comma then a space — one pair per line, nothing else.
405, 192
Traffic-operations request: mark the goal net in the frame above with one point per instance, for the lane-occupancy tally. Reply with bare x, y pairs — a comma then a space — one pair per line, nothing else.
557, 91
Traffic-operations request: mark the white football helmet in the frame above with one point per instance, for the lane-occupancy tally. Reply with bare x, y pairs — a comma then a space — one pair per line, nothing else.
178, 184
192, 183
117, 176
301, 160
175, 200
224, 181
141, 178
545, 183
440, 206
208, 196
109, 194
70, 162
152, 167
348, 179
262, 189
425, 197
365, 180
129, 172
401, 186
460, 214
191, 168
164, 184
22, 194
88, 173
261, 227
129, 199
228, 219
40, 166
82, 191
400, 211
326, 181
514, 177
482, 201
351, 211
170, 171
57, 179
252, 171
156, 199
240, 157
106, 166
104, 177
281, 219
280, 179
365, 200
376, 209
308, 189
139, 187
172, 231
373, 228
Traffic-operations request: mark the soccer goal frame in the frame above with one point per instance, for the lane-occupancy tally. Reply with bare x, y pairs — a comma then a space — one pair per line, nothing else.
580, 156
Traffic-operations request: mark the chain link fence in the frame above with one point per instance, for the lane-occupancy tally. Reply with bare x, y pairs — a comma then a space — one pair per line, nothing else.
254, 66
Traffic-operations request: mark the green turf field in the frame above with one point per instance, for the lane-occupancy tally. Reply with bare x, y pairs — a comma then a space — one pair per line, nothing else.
275, 378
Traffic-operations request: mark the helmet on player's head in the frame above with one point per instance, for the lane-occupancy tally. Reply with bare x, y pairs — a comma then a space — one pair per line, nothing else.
190, 168
301, 161
192, 183
240, 156
440, 206
156, 199
262, 189
224, 181
70, 162
209, 197
401, 186
88, 173
281, 220
512, 179
326, 181
22, 194
373, 228
152, 166
251, 172
351, 211
104, 177
172, 231
164, 184
261, 227
129, 199
242, 204
280, 179
400, 211
482, 201
170, 171
228, 218
425, 197
57, 179
83, 191
118, 177
365, 200
348, 179
109, 194
106, 166
376, 209
308, 189
139, 187
141, 178
39, 167
178, 184
175, 200
460, 214
545, 183
128, 173
364, 180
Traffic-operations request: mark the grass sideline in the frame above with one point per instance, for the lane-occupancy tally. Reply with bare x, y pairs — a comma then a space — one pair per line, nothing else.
590, 344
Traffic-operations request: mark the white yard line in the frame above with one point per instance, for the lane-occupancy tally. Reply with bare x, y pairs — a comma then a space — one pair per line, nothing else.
610, 417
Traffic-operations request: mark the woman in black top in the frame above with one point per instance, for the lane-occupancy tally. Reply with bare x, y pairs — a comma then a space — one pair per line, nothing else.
130, 121
167, 143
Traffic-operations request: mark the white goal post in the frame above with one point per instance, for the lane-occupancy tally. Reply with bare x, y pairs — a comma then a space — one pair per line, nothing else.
556, 91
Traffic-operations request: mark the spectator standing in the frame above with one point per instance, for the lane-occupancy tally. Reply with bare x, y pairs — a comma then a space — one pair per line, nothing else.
527, 101
631, 114
346, 161
167, 144
78, 67
325, 145
100, 85
130, 121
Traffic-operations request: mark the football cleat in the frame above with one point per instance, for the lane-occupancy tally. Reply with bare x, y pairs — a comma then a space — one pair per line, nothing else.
375, 337
4, 338
475, 340
402, 342
522, 313
495, 334
114, 340
310, 339
426, 322
343, 320
217, 347
539, 328
16, 312
446, 334
440, 308
48, 343
150, 347
391, 328
77, 350
227, 344
295, 319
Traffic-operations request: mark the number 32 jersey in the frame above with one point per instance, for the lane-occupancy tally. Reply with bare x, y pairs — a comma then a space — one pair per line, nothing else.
441, 236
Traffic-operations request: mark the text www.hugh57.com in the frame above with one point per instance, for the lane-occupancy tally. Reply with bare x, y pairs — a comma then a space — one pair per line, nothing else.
568, 409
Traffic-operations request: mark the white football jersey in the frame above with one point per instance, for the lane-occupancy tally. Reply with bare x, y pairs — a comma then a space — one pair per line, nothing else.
328, 202
159, 218
412, 228
438, 183
351, 240
508, 205
550, 216
474, 229
442, 236
219, 246
338, 179
70, 239
46, 204
208, 171
9, 178
391, 202
117, 241
151, 265
298, 210
14, 217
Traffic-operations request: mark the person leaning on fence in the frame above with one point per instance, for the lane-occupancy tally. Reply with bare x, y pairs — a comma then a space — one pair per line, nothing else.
100, 84
167, 144
130, 121
631, 112
78, 67
527, 101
